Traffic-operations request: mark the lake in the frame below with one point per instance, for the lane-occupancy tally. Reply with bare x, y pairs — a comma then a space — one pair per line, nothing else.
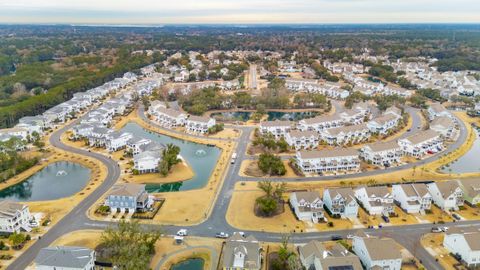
57, 180
190, 264
201, 159
467, 163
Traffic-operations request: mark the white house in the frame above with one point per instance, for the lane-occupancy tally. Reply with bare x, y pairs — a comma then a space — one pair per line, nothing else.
302, 139
134, 144
14, 217
465, 243
421, 143
117, 140
344, 135
341, 201
199, 124
320, 123
341, 159
377, 253
65, 258
383, 124
242, 253
445, 126
169, 117
382, 153
448, 195
307, 205
147, 161
376, 200
277, 128
98, 136
412, 198
315, 255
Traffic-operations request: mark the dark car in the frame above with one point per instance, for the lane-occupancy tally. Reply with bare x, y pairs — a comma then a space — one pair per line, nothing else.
386, 219
455, 216
336, 237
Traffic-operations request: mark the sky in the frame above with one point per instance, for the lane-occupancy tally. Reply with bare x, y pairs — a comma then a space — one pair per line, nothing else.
238, 11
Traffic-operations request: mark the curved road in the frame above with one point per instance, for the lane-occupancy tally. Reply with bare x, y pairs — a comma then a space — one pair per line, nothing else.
77, 219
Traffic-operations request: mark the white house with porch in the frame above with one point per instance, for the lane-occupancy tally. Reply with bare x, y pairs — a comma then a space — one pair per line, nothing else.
382, 153
307, 205
14, 217
412, 198
199, 124
341, 201
421, 143
277, 128
376, 200
341, 159
448, 195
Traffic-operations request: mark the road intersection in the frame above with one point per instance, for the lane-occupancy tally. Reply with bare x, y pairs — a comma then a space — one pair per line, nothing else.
77, 219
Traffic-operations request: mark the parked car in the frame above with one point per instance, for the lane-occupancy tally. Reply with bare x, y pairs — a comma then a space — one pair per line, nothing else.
350, 236
436, 230
386, 219
336, 237
444, 229
221, 235
456, 216
241, 233
182, 232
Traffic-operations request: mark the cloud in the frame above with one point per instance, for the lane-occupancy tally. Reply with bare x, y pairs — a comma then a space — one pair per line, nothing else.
238, 11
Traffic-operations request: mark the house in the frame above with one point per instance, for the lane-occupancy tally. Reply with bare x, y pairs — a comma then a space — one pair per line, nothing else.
465, 243
307, 206
377, 253
199, 124
242, 253
383, 124
147, 161
340, 201
345, 135
357, 114
81, 131
445, 126
65, 257
14, 217
376, 200
20, 133
134, 144
277, 128
117, 140
448, 195
320, 123
421, 143
436, 110
168, 117
471, 190
382, 153
317, 256
412, 198
302, 139
98, 136
340, 159
128, 198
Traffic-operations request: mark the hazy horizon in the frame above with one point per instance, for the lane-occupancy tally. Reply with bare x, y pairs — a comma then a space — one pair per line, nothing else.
149, 12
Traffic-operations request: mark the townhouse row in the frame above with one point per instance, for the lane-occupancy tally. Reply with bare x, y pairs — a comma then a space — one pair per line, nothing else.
170, 118
415, 198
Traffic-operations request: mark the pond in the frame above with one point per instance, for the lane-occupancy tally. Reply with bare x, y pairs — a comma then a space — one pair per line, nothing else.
292, 116
467, 163
201, 158
57, 180
190, 264
232, 116
272, 115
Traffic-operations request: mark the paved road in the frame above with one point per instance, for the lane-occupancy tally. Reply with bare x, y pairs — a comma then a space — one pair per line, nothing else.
408, 236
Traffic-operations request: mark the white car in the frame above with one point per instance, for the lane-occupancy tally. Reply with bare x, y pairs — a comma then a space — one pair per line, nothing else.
444, 229
182, 232
350, 236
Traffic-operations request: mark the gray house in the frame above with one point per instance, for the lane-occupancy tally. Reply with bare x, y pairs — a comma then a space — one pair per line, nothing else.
72, 258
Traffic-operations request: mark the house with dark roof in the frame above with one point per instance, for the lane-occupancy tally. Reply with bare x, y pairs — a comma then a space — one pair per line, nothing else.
64, 257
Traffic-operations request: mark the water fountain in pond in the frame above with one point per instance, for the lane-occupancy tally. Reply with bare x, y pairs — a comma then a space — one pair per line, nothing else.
61, 173
200, 153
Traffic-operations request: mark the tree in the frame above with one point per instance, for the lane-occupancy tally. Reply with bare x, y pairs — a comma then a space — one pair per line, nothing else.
270, 164
129, 246
169, 159
17, 239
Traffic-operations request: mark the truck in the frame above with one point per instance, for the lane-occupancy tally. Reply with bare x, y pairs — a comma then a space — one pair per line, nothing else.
234, 158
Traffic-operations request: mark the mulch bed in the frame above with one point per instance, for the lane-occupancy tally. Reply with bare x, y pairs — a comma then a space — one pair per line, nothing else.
280, 209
